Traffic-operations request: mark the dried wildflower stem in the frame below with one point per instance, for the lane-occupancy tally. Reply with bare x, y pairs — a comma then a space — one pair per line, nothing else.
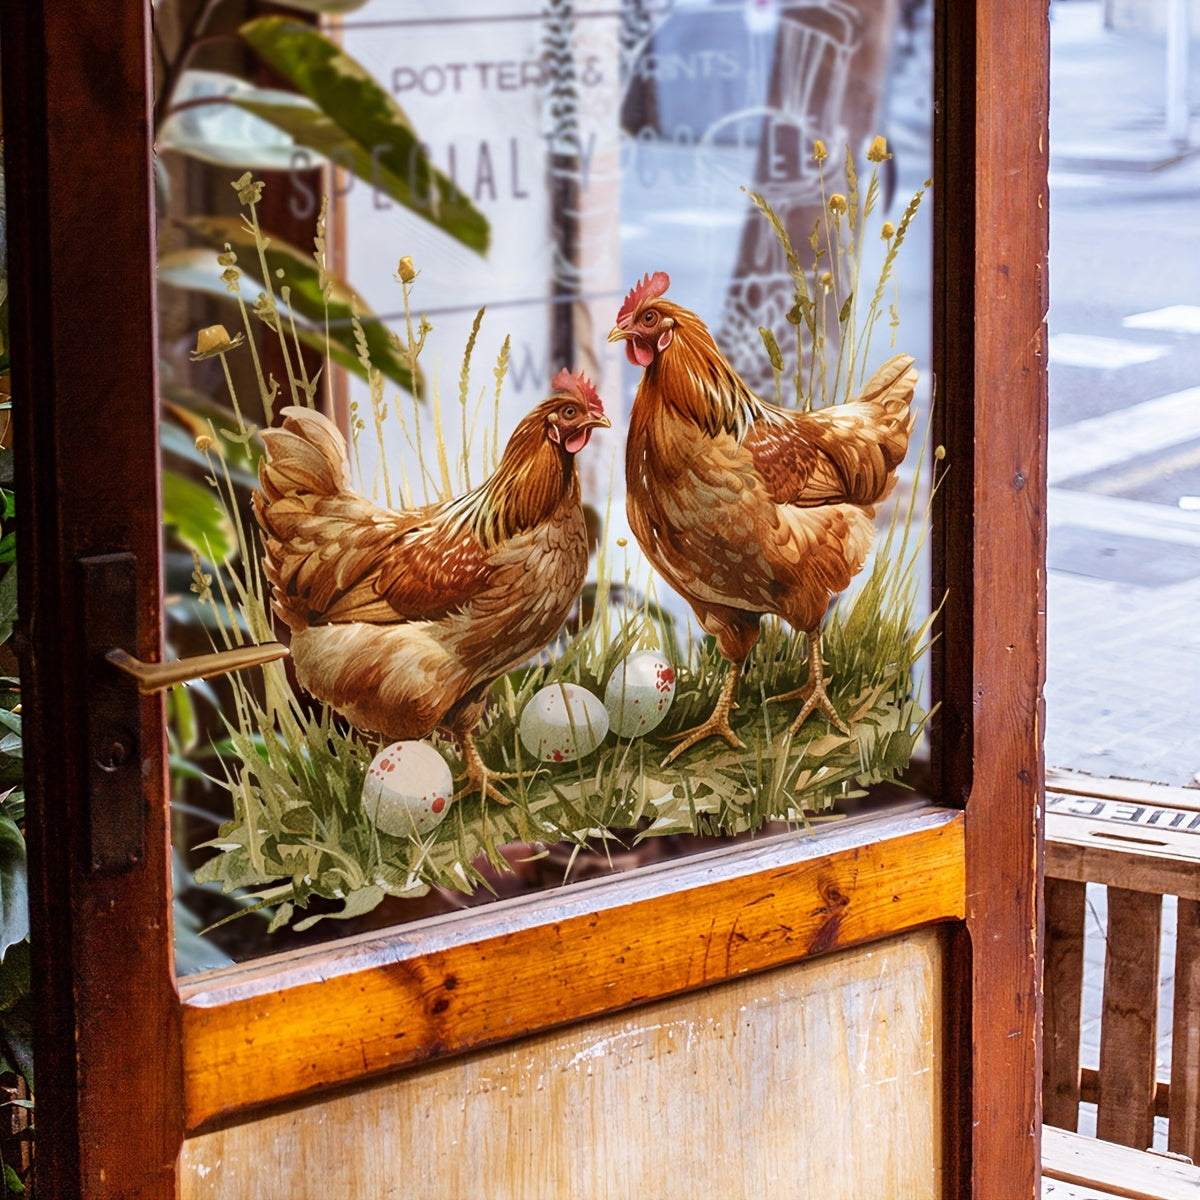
237, 412
272, 306
308, 386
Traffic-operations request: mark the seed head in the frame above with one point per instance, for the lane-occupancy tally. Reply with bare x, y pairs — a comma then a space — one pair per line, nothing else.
407, 271
826, 280
249, 190
878, 151
820, 154
204, 443
837, 204
213, 340
888, 231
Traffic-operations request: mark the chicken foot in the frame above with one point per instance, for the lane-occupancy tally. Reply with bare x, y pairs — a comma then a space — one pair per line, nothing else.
717, 724
813, 692
477, 775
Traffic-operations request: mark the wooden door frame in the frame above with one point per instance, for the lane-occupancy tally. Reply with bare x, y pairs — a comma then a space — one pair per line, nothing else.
114, 1032
991, 230
84, 350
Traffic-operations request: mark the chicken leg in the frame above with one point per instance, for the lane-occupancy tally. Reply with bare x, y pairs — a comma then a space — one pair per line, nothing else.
477, 775
813, 692
718, 723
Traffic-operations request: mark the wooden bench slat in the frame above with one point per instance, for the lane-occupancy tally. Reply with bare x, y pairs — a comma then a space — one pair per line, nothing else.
1060, 1189
1066, 904
1129, 1020
1105, 1170
1183, 1131
1140, 858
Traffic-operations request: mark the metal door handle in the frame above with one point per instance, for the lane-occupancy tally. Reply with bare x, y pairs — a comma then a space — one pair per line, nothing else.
157, 677
118, 800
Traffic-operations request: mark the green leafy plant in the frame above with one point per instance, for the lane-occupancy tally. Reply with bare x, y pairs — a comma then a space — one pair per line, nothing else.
299, 828
329, 109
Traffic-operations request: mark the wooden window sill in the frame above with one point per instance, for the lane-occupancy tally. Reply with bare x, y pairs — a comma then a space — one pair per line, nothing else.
293, 1024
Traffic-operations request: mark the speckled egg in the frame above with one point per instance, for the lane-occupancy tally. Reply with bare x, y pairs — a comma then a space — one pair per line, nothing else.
639, 693
563, 722
408, 789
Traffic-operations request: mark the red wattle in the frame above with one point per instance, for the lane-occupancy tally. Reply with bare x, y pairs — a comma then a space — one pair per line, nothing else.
639, 353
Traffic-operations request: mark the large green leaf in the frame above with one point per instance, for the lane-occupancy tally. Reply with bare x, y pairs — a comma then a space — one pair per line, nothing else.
222, 132
14, 886
8, 602
198, 270
192, 511
361, 117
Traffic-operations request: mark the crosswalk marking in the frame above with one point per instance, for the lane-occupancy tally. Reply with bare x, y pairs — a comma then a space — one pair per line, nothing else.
1115, 514
1116, 437
1175, 318
1100, 353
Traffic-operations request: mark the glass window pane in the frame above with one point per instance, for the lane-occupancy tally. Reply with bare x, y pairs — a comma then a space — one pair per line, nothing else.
597, 148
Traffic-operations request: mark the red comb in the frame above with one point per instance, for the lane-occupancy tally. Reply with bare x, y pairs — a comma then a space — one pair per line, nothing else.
650, 287
581, 387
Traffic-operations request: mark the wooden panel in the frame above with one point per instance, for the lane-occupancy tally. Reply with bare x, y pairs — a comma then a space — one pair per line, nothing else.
288, 1026
1163, 862
1073, 783
1089, 1091
818, 1079
1116, 1170
991, 103
1183, 1130
1066, 907
1129, 1020
84, 352
1057, 1189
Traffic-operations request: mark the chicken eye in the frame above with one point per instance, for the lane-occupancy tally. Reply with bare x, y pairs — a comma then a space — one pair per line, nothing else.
570, 412
650, 317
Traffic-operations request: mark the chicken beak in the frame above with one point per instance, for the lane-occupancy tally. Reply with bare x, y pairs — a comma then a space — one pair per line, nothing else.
600, 421
617, 334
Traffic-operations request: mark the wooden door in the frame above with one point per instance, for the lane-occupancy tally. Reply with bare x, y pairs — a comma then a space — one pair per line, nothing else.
762, 939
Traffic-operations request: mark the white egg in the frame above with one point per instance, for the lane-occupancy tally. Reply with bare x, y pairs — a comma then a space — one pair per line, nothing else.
408, 789
563, 722
639, 693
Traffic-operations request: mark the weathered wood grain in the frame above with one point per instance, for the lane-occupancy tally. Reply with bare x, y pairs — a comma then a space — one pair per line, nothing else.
1066, 906
1161, 862
304, 1022
990, 162
1115, 1170
818, 1079
1129, 1020
1074, 783
1183, 1128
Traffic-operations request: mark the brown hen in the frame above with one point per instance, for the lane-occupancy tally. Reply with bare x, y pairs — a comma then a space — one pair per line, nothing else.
743, 507
402, 620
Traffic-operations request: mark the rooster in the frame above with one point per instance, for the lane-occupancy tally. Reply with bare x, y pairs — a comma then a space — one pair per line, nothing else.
743, 507
402, 620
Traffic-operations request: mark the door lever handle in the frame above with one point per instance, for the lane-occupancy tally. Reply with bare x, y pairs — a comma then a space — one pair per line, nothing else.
157, 677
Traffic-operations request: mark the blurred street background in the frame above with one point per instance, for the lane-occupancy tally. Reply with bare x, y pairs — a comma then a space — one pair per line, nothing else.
1123, 686
1123, 671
